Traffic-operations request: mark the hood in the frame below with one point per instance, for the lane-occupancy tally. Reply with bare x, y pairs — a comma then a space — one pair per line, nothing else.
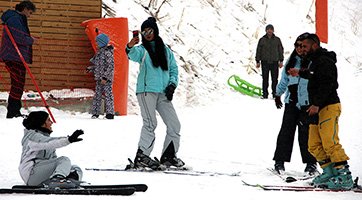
324, 52
8, 14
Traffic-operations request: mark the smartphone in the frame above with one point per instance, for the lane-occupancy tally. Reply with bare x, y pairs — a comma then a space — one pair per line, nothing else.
135, 33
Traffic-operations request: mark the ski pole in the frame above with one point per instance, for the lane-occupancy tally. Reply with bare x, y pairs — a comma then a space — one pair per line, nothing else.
28, 69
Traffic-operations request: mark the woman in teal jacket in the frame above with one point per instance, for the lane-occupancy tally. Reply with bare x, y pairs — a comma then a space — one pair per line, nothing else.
156, 83
295, 115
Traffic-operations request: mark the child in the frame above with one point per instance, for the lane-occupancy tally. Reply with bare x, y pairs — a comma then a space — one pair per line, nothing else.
103, 69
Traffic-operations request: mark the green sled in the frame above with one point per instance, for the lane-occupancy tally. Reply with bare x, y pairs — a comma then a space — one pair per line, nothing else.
243, 86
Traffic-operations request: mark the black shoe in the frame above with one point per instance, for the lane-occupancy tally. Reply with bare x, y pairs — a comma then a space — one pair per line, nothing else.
174, 161
279, 167
264, 97
144, 161
12, 115
311, 168
59, 182
95, 116
109, 116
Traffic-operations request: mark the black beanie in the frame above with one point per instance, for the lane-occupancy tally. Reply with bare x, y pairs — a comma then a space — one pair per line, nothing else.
269, 26
35, 119
150, 23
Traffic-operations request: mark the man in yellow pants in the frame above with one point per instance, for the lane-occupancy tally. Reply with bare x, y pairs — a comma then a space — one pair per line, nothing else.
325, 109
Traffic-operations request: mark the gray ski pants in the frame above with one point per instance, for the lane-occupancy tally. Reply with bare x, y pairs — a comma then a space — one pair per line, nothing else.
149, 104
45, 169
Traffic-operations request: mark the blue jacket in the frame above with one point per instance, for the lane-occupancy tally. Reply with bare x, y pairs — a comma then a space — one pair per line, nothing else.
287, 80
151, 78
18, 26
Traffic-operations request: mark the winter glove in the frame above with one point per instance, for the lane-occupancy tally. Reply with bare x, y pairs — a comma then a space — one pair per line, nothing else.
75, 135
278, 102
170, 89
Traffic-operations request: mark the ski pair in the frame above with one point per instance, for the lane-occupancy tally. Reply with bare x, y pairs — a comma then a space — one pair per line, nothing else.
172, 171
127, 189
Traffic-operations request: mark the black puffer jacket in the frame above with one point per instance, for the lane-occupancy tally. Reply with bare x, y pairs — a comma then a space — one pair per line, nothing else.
322, 76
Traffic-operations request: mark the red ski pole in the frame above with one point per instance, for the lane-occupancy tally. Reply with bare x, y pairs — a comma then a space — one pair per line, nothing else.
28, 69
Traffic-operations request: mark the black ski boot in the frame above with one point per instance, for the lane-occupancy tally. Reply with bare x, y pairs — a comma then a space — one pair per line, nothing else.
311, 169
144, 161
279, 167
59, 182
169, 158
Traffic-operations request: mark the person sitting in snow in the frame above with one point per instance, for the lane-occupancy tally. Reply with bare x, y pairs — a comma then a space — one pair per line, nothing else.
39, 165
103, 69
156, 83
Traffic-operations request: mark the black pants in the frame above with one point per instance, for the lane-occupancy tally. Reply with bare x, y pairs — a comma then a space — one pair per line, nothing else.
292, 118
17, 76
273, 68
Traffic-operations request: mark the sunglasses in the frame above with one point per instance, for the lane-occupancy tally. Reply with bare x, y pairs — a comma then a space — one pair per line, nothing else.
296, 45
145, 33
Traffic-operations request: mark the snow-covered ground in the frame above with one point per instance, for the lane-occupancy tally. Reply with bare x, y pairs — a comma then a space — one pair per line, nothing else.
222, 130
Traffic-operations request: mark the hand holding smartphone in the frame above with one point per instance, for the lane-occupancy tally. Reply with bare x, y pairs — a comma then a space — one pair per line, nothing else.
135, 33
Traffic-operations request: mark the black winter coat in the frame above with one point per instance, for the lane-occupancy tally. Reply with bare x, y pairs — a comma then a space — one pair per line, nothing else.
322, 76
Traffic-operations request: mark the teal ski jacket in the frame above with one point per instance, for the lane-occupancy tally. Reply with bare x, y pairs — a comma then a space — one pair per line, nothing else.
151, 78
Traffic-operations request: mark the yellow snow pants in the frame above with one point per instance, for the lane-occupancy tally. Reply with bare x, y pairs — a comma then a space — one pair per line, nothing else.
323, 141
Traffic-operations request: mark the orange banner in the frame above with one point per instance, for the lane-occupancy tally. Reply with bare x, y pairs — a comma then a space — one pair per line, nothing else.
322, 20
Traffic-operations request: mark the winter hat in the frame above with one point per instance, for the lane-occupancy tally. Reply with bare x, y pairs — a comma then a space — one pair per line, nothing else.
150, 23
269, 26
102, 40
35, 119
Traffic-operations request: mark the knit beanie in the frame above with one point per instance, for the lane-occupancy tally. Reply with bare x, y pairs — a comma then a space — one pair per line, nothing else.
35, 119
102, 40
150, 23
269, 26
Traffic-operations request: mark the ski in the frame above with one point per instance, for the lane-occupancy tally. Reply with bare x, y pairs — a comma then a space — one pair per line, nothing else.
289, 178
356, 188
171, 171
137, 187
76, 191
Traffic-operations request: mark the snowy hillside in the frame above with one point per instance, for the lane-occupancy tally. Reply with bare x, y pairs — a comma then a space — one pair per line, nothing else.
213, 39
222, 130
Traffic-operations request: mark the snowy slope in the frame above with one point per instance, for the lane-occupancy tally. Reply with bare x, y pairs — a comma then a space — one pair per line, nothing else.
222, 130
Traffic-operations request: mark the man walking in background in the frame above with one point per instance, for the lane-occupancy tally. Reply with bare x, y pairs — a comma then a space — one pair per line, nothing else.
270, 54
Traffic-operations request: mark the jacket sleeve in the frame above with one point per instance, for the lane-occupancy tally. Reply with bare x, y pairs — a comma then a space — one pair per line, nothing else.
327, 74
46, 143
173, 69
258, 51
280, 51
283, 83
135, 53
108, 74
19, 32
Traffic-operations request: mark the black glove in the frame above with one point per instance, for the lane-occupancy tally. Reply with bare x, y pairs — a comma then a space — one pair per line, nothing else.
170, 89
75, 135
278, 102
